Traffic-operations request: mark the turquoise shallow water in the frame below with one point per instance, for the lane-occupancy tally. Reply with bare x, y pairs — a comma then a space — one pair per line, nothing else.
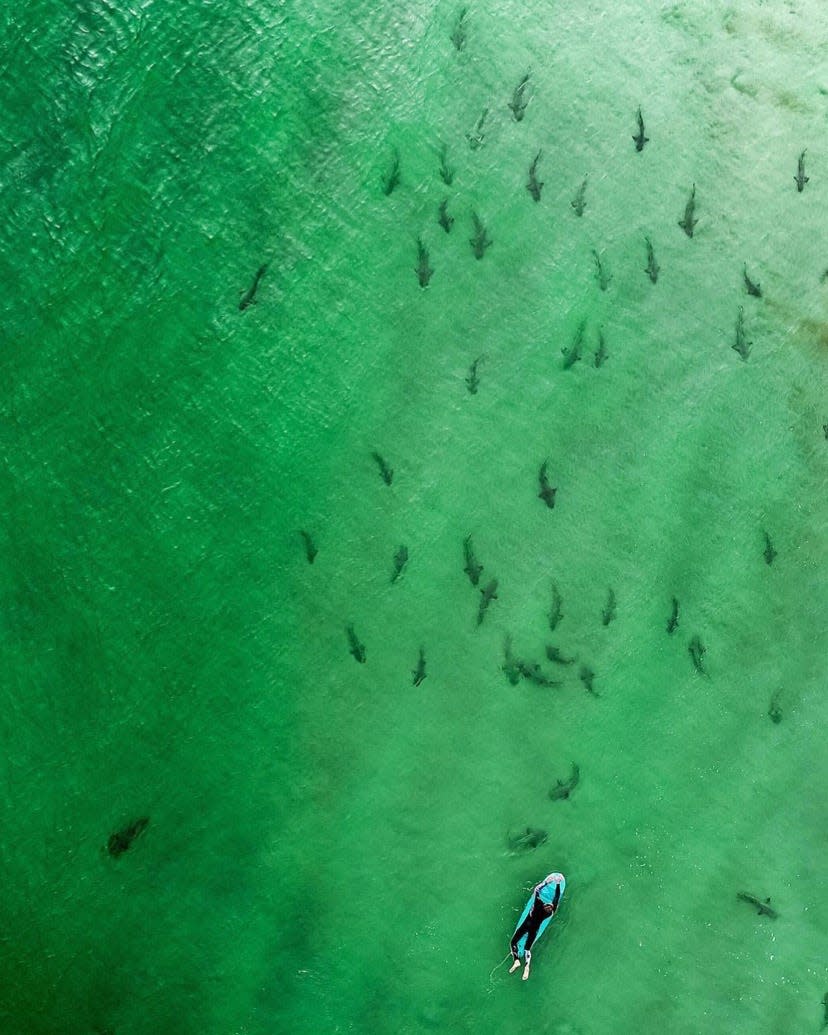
327, 847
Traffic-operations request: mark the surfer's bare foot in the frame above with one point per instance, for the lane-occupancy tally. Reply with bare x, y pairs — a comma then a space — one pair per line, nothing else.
528, 965
514, 966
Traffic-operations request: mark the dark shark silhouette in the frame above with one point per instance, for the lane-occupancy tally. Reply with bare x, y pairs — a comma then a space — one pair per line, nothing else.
556, 611
310, 547
481, 240
400, 561
477, 137
473, 377
672, 621
741, 344
762, 908
444, 219
419, 673
122, 840
602, 275
546, 489
688, 221
526, 841
573, 353
579, 201
751, 286
423, 269
519, 99
801, 179
446, 172
639, 138
471, 566
608, 613
601, 354
386, 473
564, 788
487, 595
459, 33
249, 296
652, 269
769, 553
697, 651
535, 186
355, 647
391, 180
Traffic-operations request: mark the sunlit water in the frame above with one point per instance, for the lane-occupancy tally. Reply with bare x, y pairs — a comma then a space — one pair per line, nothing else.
327, 848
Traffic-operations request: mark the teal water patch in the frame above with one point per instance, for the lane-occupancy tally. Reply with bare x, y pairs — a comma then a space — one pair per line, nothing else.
328, 846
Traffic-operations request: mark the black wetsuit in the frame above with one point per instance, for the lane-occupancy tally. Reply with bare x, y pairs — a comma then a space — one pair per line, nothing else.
535, 917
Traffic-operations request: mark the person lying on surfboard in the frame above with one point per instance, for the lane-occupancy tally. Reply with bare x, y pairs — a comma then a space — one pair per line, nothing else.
545, 899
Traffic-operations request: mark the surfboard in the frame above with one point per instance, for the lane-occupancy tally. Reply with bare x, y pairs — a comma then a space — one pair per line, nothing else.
521, 945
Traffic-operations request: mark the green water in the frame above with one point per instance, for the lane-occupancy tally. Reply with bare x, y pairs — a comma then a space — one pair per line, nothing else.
327, 845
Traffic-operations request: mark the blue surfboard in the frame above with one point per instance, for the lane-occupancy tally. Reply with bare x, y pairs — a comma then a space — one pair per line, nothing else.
521, 945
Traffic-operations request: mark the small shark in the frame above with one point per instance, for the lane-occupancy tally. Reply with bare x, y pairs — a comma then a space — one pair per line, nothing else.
608, 613
769, 553
392, 177
400, 561
601, 275
697, 652
555, 655
825, 1010
354, 646
422, 269
672, 621
774, 708
446, 172
652, 269
688, 223
601, 354
556, 611
444, 219
310, 547
547, 491
459, 33
801, 179
487, 595
473, 378
511, 665
477, 136
519, 100
535, 186
741, 344
587, 677
573, 353
386, 473
481, 240
762, 908
122, 840
751, 286
527, 841
471, 566
639, 138
419, 673
532, 671
563, 788
249, 296
579, 201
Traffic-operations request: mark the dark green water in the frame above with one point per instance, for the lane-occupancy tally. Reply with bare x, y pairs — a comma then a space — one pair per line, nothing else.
327, 843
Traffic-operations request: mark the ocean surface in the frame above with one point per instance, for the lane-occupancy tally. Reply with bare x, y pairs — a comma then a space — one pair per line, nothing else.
330, 847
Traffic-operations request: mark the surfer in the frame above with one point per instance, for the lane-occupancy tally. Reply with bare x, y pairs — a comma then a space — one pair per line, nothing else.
545, 899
